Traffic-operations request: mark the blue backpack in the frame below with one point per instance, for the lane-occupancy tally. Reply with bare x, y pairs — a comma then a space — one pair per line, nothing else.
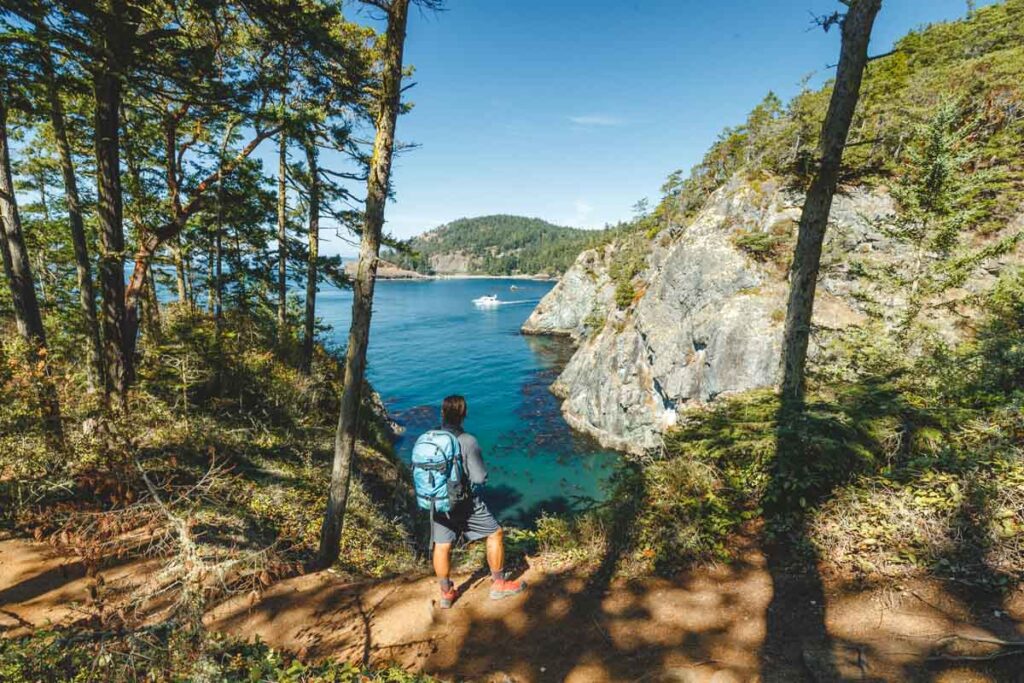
437, 471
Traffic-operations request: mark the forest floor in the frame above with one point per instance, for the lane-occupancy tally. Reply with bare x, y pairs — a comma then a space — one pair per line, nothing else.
736, 622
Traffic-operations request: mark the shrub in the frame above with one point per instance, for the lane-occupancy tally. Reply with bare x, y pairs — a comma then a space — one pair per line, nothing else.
758, 244
624, 294
596, 319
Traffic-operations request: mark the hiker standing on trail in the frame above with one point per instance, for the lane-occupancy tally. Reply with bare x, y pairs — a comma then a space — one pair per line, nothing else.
447, 466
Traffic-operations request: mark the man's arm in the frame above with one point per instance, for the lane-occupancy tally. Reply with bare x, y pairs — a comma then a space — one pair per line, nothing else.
473, 458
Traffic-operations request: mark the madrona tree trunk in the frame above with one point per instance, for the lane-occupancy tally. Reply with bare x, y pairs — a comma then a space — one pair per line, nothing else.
151, 240
314, 254
856, 33
150, 309
363, 284
86, 293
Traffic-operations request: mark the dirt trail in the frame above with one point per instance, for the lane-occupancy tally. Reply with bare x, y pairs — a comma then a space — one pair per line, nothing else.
707, 625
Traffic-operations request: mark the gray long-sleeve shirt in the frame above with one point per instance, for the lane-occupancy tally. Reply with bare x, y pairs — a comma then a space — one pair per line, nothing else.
472, 456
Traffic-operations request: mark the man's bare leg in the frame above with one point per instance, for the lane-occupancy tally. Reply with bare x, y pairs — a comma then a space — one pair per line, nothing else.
442, 568
442, 560
500, 586
496, 552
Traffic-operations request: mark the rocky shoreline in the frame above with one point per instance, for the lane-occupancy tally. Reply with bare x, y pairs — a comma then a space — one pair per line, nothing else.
389, 271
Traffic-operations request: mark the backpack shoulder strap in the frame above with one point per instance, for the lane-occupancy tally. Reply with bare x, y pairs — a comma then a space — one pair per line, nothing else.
454, 437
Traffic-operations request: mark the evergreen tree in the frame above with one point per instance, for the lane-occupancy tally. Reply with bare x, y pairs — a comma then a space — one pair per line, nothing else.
856, 32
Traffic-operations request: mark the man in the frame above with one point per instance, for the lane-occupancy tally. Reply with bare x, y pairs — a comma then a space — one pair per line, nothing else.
470, 517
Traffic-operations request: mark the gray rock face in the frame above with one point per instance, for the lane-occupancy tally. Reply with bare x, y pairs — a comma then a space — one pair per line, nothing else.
454, 263
708, 321
584, 294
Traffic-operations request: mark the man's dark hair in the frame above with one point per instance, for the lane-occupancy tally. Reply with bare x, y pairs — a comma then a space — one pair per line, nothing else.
453, 410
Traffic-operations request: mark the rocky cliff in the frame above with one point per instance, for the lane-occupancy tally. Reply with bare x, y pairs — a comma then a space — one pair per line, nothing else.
453, 263
709, 306
582, 297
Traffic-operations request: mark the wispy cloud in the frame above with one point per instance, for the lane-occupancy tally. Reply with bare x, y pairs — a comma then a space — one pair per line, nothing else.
596, 120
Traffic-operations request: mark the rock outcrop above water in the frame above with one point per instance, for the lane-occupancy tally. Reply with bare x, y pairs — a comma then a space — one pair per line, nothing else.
582, 297
708, 312
386, 271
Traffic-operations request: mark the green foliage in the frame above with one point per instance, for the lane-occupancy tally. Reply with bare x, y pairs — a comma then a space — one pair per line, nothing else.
499, 245
762, 246
624, 294
238, 404
977, 64
988, 370
938, 194
596, 319
152, 655
626, 263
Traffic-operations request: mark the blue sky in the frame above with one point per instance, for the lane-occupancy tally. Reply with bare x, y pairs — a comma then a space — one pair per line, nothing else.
572, 110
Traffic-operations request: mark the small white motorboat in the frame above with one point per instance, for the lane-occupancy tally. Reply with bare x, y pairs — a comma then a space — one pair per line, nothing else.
486, 301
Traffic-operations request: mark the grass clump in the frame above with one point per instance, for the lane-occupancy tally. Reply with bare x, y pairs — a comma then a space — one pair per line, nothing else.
153, 655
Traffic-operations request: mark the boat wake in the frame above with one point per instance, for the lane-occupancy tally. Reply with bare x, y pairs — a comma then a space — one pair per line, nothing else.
519, 301
487, 302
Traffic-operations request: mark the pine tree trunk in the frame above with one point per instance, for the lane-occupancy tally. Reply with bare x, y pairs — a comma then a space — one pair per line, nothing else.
363, 285
86, 292
19, 278
17, 266
218, 236
218, 258
282, 238
190, 284
314, 254
239, 272
107, 91
856, 33
210, 278
179, 271
42, 270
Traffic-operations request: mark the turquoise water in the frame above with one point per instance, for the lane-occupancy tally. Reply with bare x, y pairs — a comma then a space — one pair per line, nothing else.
428, 340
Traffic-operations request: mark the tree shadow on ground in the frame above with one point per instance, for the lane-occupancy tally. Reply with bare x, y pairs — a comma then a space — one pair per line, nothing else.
820, 446
562, 610
796, 635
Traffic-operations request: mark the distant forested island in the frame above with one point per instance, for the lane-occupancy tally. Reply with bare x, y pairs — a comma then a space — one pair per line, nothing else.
496, 245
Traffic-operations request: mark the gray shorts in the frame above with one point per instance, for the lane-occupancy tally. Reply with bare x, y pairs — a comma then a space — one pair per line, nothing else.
470, 518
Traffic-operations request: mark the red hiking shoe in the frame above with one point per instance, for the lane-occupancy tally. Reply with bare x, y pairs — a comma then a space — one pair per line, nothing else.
448, 598
503, 588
